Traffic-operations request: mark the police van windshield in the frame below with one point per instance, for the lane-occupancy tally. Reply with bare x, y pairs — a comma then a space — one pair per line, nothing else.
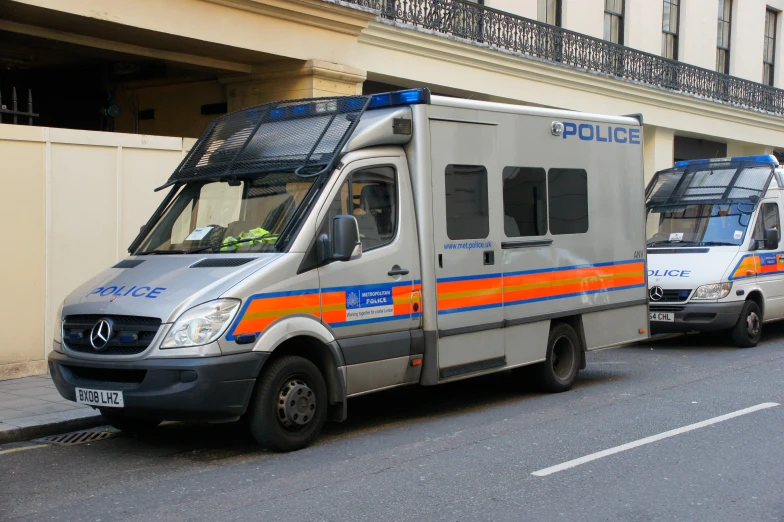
223, 217
698, 225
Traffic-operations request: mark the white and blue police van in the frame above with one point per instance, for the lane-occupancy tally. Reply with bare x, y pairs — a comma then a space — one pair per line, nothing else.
713, 244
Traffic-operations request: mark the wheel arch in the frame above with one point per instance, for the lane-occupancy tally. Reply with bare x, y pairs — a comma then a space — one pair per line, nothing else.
756, 296
576, 322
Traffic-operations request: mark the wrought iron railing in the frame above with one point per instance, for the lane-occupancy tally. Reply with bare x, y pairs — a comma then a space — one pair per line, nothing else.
13, 112
502, 30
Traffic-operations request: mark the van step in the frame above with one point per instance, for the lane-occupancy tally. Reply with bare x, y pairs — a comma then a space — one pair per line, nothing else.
472, 367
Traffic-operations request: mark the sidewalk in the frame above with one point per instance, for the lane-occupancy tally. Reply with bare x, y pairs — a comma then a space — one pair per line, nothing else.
31, 407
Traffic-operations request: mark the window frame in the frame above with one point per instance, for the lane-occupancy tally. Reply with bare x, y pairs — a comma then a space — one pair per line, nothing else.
770, 79
550, 205
446, 199
621, 21
674, 34
759, 228
347, 179
725, 67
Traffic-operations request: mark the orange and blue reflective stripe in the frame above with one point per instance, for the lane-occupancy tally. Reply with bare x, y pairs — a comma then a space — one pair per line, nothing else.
464, 294
337, 307
572, 281
753, 265
261, 310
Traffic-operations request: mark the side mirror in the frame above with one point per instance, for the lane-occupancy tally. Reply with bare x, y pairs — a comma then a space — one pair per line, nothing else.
771, 239
346, 245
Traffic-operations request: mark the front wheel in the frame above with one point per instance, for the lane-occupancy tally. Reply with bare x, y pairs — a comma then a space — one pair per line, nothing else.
559, 370
747, 331
289, 406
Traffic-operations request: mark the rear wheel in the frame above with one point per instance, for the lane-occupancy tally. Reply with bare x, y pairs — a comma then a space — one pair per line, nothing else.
132, 425
747, 331
289, 405
559, 370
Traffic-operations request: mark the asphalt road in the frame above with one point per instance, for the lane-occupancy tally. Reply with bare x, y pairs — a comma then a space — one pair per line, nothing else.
465, 451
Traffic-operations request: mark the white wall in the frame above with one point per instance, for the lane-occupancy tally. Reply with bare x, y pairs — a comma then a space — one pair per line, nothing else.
526, 8
76, 200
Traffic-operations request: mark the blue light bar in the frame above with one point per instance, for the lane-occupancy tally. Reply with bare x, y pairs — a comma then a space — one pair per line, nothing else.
770, 159
394, 99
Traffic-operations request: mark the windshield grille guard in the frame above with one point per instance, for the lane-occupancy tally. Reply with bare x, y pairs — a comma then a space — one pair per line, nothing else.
717, 182
301, 136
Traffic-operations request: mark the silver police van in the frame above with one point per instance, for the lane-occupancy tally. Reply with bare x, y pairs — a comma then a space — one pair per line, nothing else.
314, 250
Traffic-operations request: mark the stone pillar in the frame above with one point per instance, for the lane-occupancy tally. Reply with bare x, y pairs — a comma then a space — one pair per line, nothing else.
292, 80
742, 148
659, 149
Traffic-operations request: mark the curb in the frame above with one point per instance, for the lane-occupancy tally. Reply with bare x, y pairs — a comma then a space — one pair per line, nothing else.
18, 434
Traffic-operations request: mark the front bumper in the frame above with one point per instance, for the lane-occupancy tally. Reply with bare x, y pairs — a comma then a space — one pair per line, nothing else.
204, 388
697, 317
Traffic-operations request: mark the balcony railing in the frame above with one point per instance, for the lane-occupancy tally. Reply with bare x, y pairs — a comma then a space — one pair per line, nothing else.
498, 29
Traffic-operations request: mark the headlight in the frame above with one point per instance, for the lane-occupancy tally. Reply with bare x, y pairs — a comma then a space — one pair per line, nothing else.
58, 325
717, 291
202, 324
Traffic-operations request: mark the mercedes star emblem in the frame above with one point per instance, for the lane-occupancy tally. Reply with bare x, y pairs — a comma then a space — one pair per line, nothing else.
656, 293
100, 334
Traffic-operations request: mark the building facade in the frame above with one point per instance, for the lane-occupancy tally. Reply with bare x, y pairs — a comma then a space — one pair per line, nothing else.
104, 76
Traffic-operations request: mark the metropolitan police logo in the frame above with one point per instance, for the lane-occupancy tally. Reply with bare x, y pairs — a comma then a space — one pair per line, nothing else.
352, 299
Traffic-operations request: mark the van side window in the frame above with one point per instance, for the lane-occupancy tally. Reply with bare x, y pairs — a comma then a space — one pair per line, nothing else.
568, 198
525, 201
370, 195
768, 218
467, 212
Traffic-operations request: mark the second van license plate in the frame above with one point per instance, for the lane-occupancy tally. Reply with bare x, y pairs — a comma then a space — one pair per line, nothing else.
107, 399
667, 317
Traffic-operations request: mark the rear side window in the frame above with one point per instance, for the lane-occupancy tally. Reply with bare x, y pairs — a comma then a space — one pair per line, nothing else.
525, 201
467, 215
568, 198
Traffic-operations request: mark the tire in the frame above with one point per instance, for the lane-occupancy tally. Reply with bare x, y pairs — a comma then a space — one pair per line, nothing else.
280, 423
559, 370
132, 425
748, 330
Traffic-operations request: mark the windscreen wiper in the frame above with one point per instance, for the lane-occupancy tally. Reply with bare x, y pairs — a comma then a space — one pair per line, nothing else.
161, 252
216, 248
659, 243
716, 243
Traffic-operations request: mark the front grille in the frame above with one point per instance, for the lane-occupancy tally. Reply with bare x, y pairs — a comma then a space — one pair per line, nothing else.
666, 308
131, 335
674, 296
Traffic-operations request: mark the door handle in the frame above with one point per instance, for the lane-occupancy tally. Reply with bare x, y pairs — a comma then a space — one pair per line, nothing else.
396, 271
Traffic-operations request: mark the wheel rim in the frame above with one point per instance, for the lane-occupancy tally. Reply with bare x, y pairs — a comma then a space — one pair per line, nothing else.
753, 324
296, 404
563, 357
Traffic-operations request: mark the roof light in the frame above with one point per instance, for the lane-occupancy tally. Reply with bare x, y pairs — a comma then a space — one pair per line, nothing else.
765, 158
393, 99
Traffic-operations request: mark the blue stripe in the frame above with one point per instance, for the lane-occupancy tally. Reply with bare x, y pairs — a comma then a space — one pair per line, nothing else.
467, 278
575, 267
470, 308
367, 321
576, 294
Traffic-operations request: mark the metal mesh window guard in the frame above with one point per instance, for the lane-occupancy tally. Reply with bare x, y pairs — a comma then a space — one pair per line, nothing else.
534, 39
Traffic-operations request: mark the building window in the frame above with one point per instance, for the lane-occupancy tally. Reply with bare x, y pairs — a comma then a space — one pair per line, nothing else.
769, 59
670, 18
552, 13
525, 202
613, 21
467, 209
568, 201
723, 44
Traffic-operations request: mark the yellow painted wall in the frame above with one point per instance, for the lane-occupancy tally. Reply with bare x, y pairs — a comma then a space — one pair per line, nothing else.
177, 108
74, 200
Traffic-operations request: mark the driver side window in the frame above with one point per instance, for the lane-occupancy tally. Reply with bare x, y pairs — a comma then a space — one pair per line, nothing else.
370, 195
768, 218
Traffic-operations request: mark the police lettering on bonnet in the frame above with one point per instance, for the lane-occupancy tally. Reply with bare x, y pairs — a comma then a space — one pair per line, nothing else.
311, 251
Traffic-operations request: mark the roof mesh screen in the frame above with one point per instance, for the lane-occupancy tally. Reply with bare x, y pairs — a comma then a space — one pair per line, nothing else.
274, 137
713, 182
